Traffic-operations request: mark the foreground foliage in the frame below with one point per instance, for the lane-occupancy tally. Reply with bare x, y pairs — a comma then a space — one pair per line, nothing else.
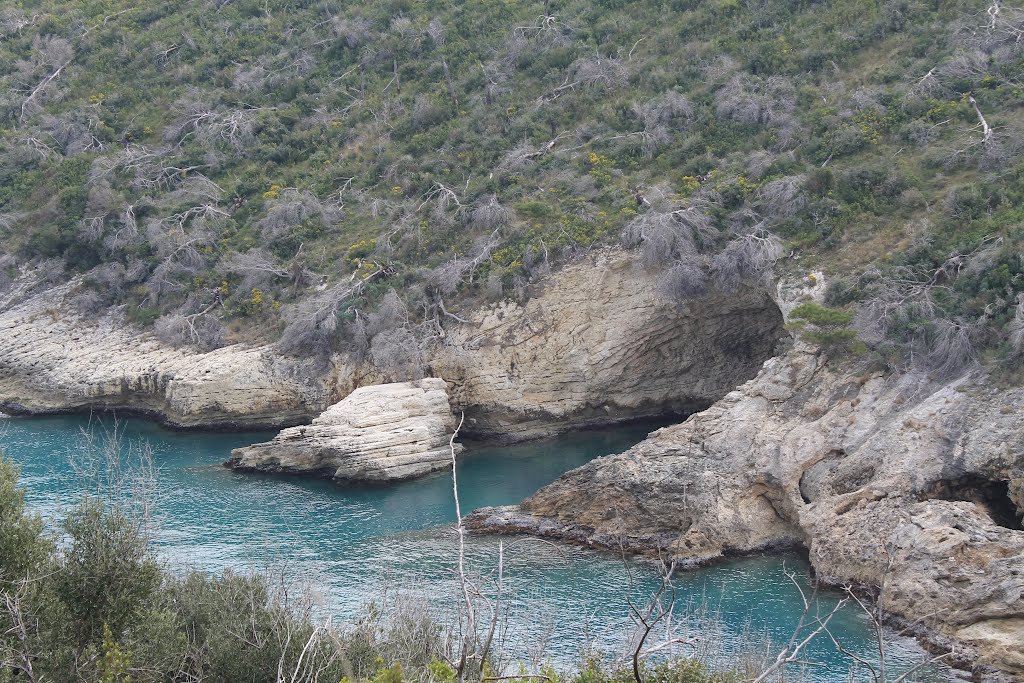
214, 164
98, 607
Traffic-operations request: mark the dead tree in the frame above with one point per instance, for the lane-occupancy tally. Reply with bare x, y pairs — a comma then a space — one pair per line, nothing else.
780, 200
20, 658
201, 329
12, 22
749, 99
809, 627
747, 258
208, 125
687, 278
658, 613
469, 631
259, 265
669, 230
311, 324
293, 207
1016, 328
661, 117
442, 198
952, 348
452, 274
971, 145
55, 53
595, 72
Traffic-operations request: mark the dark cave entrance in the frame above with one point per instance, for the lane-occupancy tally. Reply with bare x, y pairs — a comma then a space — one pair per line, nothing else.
992, 495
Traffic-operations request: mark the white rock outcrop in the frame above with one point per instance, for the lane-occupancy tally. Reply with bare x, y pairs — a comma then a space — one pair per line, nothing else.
900, 483
600, 345
53, 360
385, 432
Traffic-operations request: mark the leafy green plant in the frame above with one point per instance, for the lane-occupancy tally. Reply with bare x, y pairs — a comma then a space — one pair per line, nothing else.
826, 327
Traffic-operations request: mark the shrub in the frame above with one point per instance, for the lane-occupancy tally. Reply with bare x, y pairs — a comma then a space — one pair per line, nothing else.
23, 548
828, 328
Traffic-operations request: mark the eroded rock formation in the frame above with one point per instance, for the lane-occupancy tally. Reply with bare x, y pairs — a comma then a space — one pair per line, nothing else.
53, 360
385, 432
596, 345
899, 483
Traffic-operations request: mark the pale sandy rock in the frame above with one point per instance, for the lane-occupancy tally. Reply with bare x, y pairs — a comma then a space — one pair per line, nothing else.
600, 345
595, 346
999, 639
385, 432
898, 483
52, 360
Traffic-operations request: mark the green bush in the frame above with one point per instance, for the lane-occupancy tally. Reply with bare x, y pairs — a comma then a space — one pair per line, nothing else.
563, 119
828, 328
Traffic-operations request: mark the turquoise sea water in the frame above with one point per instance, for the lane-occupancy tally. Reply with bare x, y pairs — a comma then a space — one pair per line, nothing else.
355, 544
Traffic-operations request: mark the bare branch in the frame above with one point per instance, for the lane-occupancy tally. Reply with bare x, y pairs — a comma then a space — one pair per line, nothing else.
39, 88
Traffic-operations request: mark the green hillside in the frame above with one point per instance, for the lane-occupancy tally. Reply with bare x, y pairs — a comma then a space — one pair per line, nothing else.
219, 164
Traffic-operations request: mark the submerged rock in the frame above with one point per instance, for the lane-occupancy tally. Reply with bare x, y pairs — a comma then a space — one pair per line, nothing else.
910, 486
385, 432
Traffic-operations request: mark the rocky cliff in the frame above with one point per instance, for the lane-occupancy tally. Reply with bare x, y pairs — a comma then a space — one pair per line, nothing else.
596, 345
51, 360
900, 483
385, 432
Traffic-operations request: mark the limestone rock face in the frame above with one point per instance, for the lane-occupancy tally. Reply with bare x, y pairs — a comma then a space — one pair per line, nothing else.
595, 346
52, 360
385, 432
899, 483
600, 345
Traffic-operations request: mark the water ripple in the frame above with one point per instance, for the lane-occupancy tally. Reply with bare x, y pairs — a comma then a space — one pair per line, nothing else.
358, 543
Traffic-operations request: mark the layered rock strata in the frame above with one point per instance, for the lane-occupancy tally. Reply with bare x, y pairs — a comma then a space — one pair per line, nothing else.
599, 346
53, 360
596, 345
385, 432
903, 484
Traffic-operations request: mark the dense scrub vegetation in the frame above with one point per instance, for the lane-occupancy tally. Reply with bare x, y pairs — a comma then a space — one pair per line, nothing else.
216, 163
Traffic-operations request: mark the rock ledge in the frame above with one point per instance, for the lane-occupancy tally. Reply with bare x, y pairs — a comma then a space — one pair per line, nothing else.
901, 483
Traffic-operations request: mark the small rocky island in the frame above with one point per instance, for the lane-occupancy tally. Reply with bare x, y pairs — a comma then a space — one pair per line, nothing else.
381, 433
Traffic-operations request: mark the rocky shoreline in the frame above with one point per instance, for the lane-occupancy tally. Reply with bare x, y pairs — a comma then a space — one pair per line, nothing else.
908, 486
52, 361
597, 346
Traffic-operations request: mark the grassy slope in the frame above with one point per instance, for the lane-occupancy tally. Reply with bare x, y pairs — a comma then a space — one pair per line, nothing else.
328, 135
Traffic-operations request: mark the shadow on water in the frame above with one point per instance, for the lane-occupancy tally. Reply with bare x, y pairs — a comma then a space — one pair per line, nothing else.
355, 543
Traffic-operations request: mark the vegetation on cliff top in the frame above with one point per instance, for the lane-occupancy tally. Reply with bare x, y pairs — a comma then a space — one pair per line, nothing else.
221, 165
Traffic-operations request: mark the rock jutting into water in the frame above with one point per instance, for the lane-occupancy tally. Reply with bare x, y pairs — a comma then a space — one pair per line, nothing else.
903, 483
385, 432
53, 360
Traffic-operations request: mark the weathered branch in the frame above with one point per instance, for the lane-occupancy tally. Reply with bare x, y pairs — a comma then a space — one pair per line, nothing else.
39, 88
